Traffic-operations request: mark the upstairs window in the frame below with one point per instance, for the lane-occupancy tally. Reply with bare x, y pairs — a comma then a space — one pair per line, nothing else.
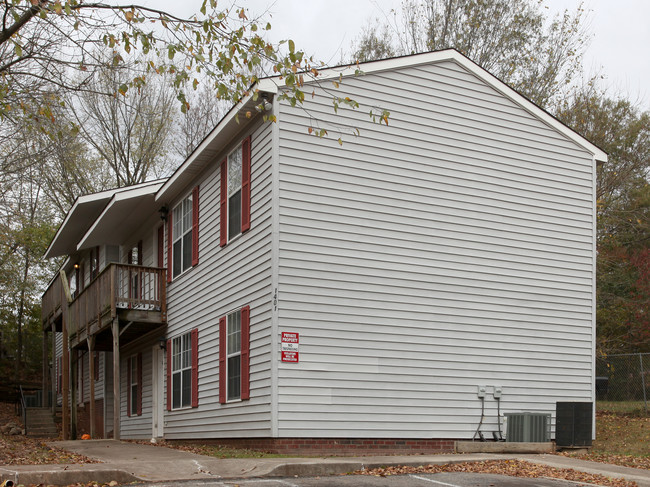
234, 192
182, 236
235, 200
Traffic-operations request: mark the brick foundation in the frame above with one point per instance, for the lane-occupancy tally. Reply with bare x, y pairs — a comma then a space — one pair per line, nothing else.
335, 446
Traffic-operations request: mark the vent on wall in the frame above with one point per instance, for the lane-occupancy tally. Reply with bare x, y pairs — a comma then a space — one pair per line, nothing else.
528, 427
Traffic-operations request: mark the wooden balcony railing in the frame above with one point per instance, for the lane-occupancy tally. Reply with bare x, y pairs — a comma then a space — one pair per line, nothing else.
117, 287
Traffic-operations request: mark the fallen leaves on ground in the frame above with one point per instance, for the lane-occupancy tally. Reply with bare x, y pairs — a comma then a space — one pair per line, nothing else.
622, 438
512, 468
22, 450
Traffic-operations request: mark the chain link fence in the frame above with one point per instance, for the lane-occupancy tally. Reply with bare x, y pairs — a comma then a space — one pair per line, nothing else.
624, 377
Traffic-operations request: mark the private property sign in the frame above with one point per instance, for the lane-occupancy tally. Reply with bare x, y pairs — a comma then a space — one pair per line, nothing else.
289, 348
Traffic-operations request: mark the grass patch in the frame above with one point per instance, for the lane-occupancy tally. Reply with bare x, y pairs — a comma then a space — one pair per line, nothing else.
622, 407
622, 434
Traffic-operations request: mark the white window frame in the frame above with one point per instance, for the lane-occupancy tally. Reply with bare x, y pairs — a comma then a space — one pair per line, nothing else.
133, 393
181, 228
233, 351
232, 188
182, 370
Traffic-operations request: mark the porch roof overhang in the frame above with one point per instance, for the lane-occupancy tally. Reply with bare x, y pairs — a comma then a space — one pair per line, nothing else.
85, 210
122, 216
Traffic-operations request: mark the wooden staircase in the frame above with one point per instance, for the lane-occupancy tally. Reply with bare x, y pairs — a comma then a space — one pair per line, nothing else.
40, 423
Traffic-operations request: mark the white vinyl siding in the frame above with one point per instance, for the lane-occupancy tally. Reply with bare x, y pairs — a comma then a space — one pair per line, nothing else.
450, 249
136, 426
227, 279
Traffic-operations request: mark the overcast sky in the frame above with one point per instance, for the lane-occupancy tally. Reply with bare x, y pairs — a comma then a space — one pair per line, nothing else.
619, 49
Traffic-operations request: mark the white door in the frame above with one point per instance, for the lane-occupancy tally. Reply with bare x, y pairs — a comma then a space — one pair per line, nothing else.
158, 396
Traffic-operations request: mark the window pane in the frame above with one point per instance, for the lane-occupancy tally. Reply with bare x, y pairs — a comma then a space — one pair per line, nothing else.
187, 214
134, 371
234, 171
176, 354
234, 335
187, 388
134, 399
177, 220
234, 377
234, 214
177, 257
176, 390
187, 251
187, 351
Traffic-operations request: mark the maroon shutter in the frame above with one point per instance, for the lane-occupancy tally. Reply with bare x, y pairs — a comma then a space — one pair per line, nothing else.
140, 260
169, 375
129, 258
169, 247
195, 367
139, 405
246, 185
128, 387
245, 352
82, 273
222, 360
195, 226
161, 243
223, 214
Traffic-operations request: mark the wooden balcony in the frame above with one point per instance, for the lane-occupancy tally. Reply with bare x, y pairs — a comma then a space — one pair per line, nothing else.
132, 294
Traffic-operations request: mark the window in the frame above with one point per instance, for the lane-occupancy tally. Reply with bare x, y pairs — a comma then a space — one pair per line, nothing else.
183, 236
94, 262
234, 356
133, 389
182, 371
236, 192
134, 385
135, 278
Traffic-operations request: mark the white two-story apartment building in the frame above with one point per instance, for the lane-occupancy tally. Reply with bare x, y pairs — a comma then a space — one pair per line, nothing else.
283, 291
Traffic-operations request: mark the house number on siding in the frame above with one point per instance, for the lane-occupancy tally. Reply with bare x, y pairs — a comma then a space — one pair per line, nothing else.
275, 299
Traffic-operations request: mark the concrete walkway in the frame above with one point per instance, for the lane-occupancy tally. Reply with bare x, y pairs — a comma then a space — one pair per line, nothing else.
129, 462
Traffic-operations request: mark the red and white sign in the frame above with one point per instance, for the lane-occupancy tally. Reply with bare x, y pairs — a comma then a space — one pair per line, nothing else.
289, 347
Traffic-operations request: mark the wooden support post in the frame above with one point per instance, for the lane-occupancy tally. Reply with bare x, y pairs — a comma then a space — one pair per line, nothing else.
54, 378
65, 389
115, 326
45, 385
91, 361
74, 381
66, 298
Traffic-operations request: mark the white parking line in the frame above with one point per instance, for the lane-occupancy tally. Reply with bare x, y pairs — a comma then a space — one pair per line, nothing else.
433, 481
